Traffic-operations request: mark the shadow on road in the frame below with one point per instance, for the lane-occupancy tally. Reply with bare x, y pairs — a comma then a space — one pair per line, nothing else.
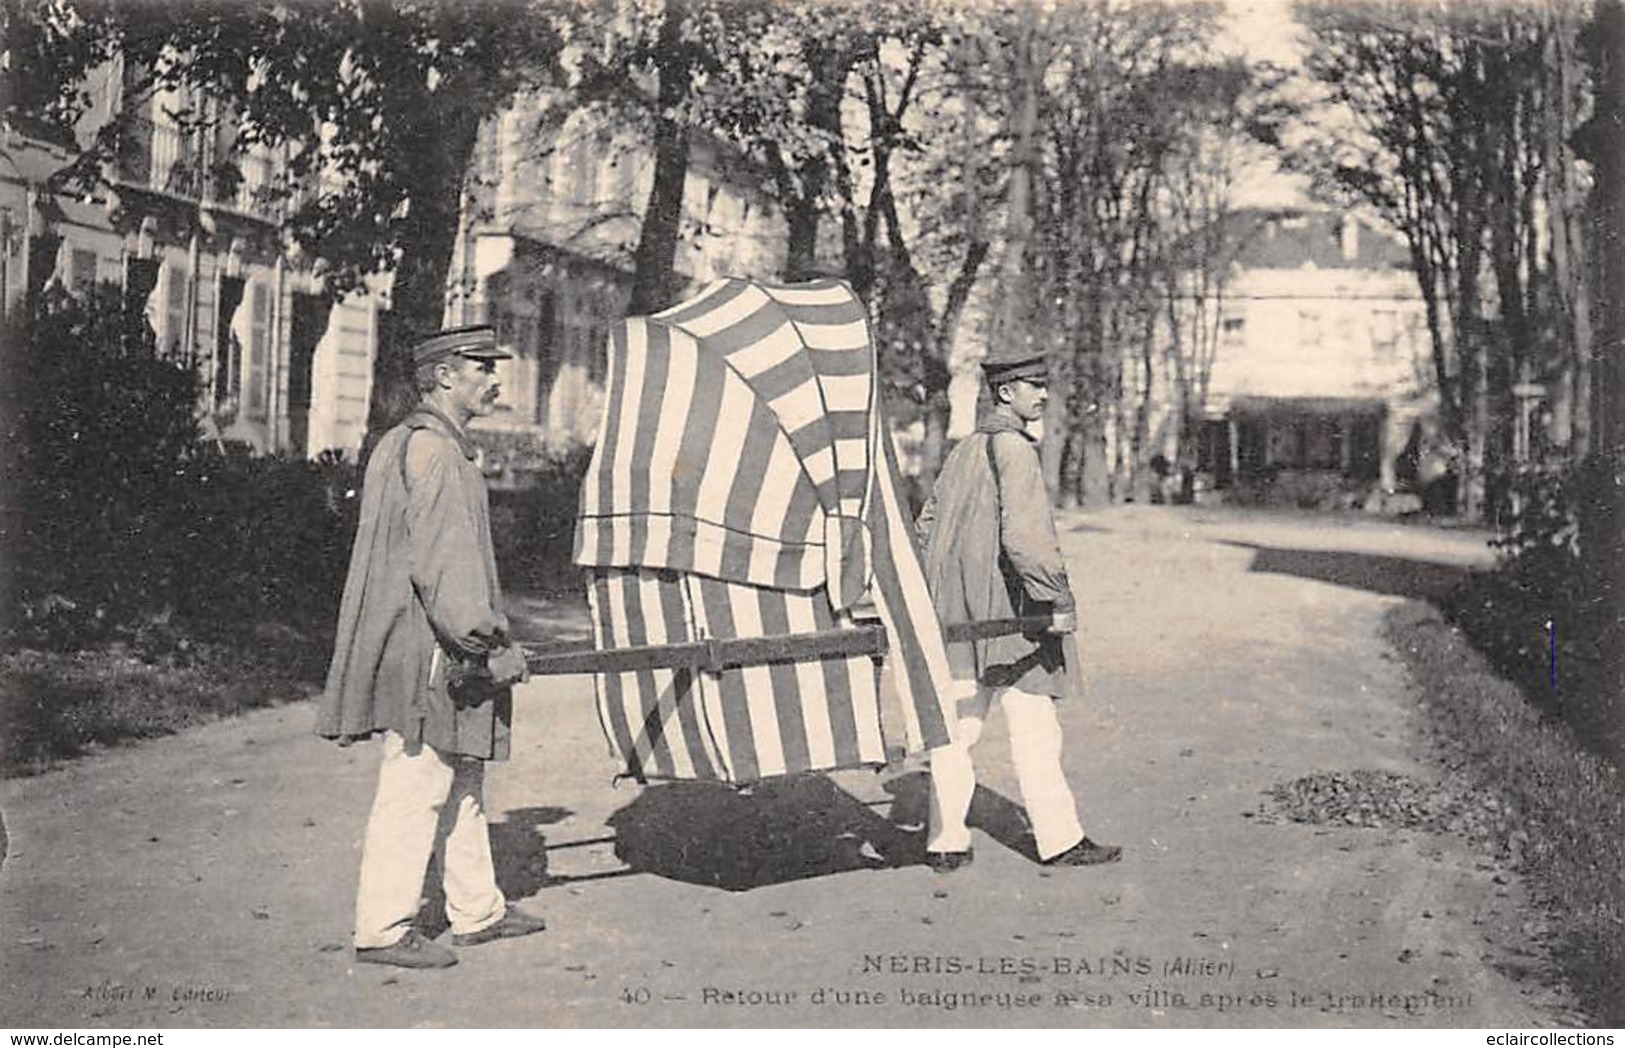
775, 831
1374, 573
991, 812
518, 853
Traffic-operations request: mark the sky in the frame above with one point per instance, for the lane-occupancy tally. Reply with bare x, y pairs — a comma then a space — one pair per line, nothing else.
1264, 29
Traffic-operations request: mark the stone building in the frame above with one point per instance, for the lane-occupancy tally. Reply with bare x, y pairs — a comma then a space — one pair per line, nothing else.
546, 255
203, 257
1321, 375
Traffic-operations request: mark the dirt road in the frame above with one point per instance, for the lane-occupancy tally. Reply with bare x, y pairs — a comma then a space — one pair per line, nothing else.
207, 879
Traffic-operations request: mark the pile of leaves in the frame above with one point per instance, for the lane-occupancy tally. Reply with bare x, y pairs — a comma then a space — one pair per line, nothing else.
1361, 798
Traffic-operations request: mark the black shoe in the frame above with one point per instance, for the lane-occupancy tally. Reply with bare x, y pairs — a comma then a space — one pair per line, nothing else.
1086, 853
512, 925
412, 951
948, 862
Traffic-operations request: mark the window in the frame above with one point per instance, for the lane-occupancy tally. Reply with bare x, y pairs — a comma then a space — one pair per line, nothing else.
257, 354
516, 332
175, 293
1233, 331
228, 363
1384, 331
82, 271
1309, 327
547, 362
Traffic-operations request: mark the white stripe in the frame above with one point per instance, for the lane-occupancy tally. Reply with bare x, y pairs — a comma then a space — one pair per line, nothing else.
779, 486
726, 314
707, 693
637, 354
764, 721
919, 612
722, 458
600, 685
665, 680
815, 697
833, 295
820, 465
852, 454
708, 542
852, 335
706, 292
682, 363
769, 351
799, 408
866, 709
631, 706
658, 550
587, 528
846, 392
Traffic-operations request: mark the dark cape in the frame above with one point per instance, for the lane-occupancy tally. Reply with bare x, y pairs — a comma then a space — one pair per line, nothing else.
422, 604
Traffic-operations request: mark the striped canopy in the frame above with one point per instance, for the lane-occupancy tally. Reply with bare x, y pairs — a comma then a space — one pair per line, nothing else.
742, 472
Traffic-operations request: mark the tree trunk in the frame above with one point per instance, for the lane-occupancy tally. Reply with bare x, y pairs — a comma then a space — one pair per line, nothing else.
418, 295
1094, 483
1011, 332
939, 377
801, 248
654, 277
829, 67
1602, 536
1566, 212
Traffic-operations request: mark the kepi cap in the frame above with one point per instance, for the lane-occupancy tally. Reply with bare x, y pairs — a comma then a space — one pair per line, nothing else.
1034, 367
478, 342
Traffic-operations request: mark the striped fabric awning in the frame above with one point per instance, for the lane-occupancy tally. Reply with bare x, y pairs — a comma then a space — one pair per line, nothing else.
743, 485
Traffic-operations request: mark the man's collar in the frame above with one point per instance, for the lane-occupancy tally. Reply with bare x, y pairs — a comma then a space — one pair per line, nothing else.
996, 421
421, 417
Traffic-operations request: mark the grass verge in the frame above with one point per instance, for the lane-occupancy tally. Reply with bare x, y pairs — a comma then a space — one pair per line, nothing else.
55, 706
1565, 806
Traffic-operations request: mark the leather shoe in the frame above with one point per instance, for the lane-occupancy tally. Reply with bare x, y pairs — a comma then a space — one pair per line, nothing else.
948, 862
1086, 853
512, 925
412, 951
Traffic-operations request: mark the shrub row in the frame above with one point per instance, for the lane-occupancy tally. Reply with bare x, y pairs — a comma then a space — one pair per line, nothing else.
121, 519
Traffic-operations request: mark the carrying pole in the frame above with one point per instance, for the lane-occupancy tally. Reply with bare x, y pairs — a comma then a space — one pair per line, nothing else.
714, 655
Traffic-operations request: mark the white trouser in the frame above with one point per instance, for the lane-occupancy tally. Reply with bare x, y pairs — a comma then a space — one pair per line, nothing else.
417, 794
1035, 748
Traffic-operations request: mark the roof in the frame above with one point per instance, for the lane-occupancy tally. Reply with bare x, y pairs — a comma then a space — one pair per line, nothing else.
1297, 407
1292, 238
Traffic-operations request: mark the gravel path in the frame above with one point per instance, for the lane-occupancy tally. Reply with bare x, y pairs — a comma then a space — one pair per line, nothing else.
1289, 860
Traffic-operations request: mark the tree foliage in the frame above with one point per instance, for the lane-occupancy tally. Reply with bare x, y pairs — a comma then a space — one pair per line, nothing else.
372, 106
1454, 122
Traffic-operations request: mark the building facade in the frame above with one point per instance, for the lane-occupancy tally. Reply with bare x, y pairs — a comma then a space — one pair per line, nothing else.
203, 257
550, 228
1320, 376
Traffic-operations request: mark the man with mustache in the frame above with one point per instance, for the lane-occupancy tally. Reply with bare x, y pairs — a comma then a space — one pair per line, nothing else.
991, 552
423, 657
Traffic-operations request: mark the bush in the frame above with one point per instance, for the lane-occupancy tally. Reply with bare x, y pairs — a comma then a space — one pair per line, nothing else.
1298, 489
534, 527
121, 520
1541, 616
262, 538
98, 427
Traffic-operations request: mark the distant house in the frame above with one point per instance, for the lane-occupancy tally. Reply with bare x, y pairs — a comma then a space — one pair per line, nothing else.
547, 253
1322, 372
202, 257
